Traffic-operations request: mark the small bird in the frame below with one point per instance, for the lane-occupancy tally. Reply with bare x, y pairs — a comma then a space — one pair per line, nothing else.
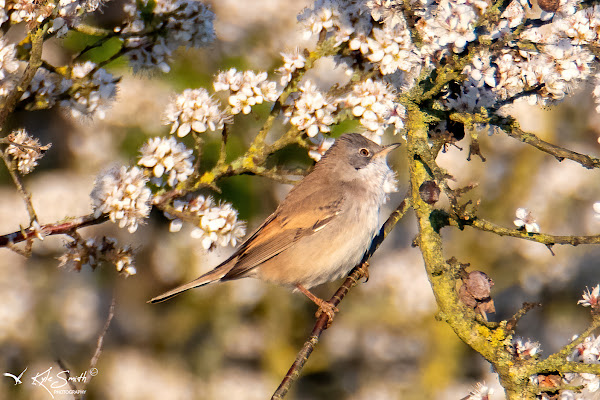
321, 230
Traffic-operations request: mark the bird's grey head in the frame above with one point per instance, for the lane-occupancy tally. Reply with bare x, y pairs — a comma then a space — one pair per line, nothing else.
361, 163
356, 151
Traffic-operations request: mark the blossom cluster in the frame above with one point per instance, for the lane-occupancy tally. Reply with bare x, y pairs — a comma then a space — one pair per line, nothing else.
66, 11
557, 63
45, 89
524, 349
311, 110
122, 193
291, 62
92, 92
194, 110
378, 31
246, 89
8, 66
374, 103
167, 157
85, 90
25, 150
587, 352
151, 40
216, 224
93, 251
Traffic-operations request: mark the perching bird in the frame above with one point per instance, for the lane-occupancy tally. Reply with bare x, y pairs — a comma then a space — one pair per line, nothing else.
321, 230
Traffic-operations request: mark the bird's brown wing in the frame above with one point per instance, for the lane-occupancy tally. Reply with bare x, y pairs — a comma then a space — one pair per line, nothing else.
288, 224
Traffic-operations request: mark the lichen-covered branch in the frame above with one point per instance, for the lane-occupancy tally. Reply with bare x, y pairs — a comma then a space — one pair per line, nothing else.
544, 238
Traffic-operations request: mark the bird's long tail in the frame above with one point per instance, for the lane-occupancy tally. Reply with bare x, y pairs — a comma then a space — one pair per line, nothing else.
209, 277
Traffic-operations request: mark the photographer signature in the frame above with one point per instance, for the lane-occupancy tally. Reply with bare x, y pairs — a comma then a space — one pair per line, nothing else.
57, 382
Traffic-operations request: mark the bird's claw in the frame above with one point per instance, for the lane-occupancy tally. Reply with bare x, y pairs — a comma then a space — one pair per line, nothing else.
329, 309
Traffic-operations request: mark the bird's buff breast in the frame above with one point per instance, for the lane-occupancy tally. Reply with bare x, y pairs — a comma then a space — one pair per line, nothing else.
327, 254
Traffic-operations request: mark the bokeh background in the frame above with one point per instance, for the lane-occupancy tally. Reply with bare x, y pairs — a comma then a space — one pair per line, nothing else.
237, 340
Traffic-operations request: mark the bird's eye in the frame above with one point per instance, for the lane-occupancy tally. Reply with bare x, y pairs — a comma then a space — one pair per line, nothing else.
364, 152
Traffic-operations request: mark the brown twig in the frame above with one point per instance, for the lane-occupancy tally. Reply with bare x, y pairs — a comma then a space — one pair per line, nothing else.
20, 187
58, 228
543, 238
100, 343
512, 128
352, 280
512, 323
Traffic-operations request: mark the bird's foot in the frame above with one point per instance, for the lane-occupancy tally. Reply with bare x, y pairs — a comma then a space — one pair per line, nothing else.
364, 270
327, 308
324, 306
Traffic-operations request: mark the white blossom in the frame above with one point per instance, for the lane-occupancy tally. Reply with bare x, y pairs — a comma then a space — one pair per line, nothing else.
481, 392
319, 145
375, 103
93, 251
169, 158
596, 205
8, 66
324, 16
28, 11
591, 299
524, 349
93, 91
216, 224
185, 23
123, 195
28, 153
3, 14
587, 352
526, 221
291, 62
310, 111
392, 49
46, 88
194, 110
246, 89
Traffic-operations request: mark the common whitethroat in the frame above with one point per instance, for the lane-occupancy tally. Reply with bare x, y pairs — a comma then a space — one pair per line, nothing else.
321, 230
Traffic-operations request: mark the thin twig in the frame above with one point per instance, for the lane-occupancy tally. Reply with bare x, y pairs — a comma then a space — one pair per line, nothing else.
544, 238
513, 129
100, 343
322, 321
58, 228
20, 187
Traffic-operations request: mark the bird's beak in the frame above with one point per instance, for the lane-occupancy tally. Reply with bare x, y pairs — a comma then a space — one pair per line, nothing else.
384, 152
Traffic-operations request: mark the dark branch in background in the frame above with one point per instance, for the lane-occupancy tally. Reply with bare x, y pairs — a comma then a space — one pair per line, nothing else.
35, 61
352, 280
59, 228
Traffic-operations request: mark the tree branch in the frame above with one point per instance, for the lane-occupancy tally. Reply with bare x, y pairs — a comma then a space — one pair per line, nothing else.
35, 60
352, 280
58, 228
544, 238
513, 129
